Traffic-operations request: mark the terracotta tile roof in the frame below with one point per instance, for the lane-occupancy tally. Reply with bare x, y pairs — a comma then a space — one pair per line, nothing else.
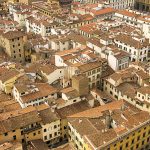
73, 109
128, 89
66, 90
46, 114
103, 11
129, 40
78, 38
126, 13
94, 130
96, 112
67, 146
123, 74
89, 66
10, 145
83, 126
37, 145
121, 54
13, 34
17, 119
144, 90
66, 52
143, 75
47, 69
70, 92
24, 117
99, 139
9, 74
44, 90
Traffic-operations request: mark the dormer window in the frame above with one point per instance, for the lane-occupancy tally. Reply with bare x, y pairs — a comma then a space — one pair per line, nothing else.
22, 93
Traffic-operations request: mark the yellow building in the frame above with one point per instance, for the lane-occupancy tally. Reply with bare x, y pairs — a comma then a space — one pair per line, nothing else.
67, 111
27, 52
16, 125
114, 126
29, 124
13, 44
7, 79
91, 70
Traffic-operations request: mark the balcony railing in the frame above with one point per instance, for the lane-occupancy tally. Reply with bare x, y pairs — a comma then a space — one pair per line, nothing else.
27, 130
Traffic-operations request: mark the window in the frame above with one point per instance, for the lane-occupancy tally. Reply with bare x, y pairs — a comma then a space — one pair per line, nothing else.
21, 132
81, 144
111, 93
138, 138
65, 136
14, 137
45, 137
116, 96
50, 136
144, 134
13, 130
132, 141
137, 145
127, 144
142, 142
55, 133
76, 146
23, 140
34, 134
139, 131
93, 72
18, 44
44, 130
39, 132
13, 45
74, 101
55, 126
5, 134
120, 148
131, 148
98, 70
134, 53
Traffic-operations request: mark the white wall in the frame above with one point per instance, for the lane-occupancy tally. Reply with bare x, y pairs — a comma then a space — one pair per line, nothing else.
55, 75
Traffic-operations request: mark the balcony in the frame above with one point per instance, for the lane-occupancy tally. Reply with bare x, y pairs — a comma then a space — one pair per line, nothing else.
28, 130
